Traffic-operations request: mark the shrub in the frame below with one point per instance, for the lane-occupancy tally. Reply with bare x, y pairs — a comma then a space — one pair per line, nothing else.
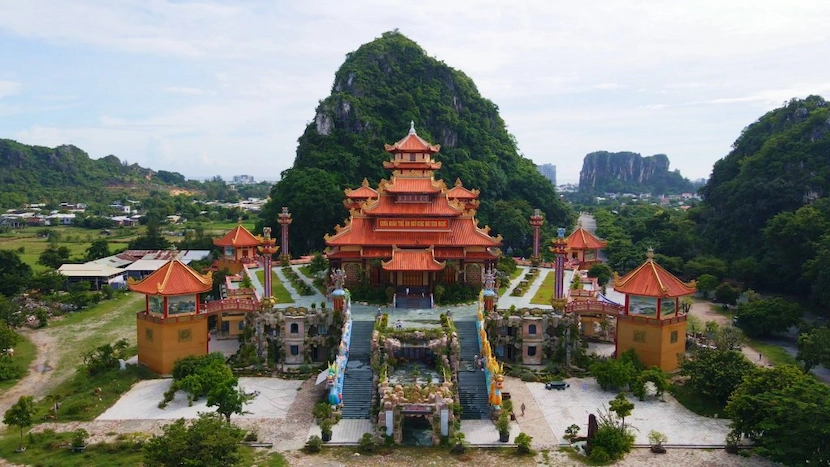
613, 441
313, 445
367, 443
523, 443
321, 410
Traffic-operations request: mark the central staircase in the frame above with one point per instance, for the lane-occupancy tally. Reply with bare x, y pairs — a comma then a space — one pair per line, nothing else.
357, 384
472, 386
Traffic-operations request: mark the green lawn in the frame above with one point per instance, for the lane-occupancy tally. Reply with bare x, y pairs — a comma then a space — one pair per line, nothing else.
545, 292
772, 352
694, 402
306, 271
503, 287
75, 238
24, 354
280, 292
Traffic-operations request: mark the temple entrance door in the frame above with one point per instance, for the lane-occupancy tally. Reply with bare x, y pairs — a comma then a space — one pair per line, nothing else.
412, 279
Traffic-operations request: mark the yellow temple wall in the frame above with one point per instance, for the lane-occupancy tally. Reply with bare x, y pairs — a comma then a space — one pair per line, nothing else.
652, 342
170, 340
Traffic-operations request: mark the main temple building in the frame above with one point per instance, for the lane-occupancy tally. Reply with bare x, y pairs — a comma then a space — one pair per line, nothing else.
412, 231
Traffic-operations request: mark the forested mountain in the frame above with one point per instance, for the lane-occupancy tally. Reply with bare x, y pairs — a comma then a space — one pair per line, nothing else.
629, 172
37, 174
377, 91
66, 173
766, 205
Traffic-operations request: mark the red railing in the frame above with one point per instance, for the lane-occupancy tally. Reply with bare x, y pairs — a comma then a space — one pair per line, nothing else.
231, 304
594, 307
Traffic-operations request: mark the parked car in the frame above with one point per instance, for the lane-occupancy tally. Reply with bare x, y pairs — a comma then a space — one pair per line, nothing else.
558, 385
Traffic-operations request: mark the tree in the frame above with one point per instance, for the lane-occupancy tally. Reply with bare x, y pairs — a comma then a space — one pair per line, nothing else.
100, 248
786, 414
54, 257
727, 294
621, 406
715, 373
8, 338
764, 317
208, 441
611, 372
48, 282
813, 348
228, 400
152, 238
20, 415
14, 273
728, 338
602, 272
706, 283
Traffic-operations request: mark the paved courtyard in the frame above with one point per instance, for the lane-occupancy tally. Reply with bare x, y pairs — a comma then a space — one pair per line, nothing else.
573, 405
273, 399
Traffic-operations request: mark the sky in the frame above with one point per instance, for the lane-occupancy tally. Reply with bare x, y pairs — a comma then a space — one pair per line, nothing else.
224, 88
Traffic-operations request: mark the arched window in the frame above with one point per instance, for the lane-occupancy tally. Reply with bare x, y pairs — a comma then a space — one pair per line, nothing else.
531, 329
531, 351
295, 328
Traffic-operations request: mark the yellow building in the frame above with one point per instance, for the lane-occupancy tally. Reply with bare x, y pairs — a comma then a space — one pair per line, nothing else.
652, 323
172, 325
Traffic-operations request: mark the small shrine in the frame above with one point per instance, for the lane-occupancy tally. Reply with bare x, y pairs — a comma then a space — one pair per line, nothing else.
584, 248
172, 325
652, 322
239, 247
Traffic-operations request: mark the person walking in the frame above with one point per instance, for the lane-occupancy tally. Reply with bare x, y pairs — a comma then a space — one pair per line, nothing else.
522, 409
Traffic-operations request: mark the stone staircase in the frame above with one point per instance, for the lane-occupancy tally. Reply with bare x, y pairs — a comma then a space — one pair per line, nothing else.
413, 302
357, 384
472, 386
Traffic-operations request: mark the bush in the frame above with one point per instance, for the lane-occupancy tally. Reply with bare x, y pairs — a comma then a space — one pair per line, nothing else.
599, 455
613, 441
9, 369
321, 410
523, 441
313, 445
367, 443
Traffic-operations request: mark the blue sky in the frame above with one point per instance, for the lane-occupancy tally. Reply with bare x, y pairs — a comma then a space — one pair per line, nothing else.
212, 87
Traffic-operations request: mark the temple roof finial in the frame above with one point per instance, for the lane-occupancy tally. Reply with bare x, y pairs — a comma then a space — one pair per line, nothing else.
412, 127
650, 254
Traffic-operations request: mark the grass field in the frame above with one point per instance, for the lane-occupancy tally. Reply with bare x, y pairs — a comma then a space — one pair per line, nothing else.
24, 354
545, 292
772, 352
503, 287
694, 402
30, 246
279, 290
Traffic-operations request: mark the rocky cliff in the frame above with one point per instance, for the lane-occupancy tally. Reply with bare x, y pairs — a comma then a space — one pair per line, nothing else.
615, 172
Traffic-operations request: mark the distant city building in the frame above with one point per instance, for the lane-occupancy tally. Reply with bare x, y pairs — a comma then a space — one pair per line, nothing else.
243, 179
549, 171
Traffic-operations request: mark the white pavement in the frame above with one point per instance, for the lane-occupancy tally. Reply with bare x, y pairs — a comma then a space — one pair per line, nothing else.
573, 405
484, 433
273, 399
345, 432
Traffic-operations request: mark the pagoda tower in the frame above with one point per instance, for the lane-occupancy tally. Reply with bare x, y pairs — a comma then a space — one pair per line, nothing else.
412, 231
239, 246
172, 325
651, 322
584, 247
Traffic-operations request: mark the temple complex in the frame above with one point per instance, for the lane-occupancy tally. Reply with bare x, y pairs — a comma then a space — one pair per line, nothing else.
172, 325
412, 231
652, 322
584, 248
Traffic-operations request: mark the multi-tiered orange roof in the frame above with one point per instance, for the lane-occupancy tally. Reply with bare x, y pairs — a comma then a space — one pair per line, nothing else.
238, 237
581, 239
651, 280
174, 278
412, 219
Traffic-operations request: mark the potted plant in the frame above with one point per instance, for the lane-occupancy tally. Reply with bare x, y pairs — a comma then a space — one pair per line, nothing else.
325, 429
503, 426
458, 443
657, 439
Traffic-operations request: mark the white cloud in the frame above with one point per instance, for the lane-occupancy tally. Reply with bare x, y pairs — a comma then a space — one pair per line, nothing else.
9, 88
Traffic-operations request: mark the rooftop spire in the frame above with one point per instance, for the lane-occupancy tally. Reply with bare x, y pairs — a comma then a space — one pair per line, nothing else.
412, 127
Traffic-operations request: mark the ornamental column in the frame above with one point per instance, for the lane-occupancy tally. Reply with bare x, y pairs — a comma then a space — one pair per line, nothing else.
284, 219
267, 249
559, 250
536, 221
490, 294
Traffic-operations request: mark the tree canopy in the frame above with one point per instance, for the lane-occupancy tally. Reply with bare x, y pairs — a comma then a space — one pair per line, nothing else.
205, 442
715, 373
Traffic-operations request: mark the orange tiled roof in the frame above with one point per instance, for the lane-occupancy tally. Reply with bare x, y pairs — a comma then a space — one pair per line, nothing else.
462, 232
386, 206
413, 143
365, 191
174, 278
581, 239
651, 280
238, 237
411, 185
459, 192
413, 260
